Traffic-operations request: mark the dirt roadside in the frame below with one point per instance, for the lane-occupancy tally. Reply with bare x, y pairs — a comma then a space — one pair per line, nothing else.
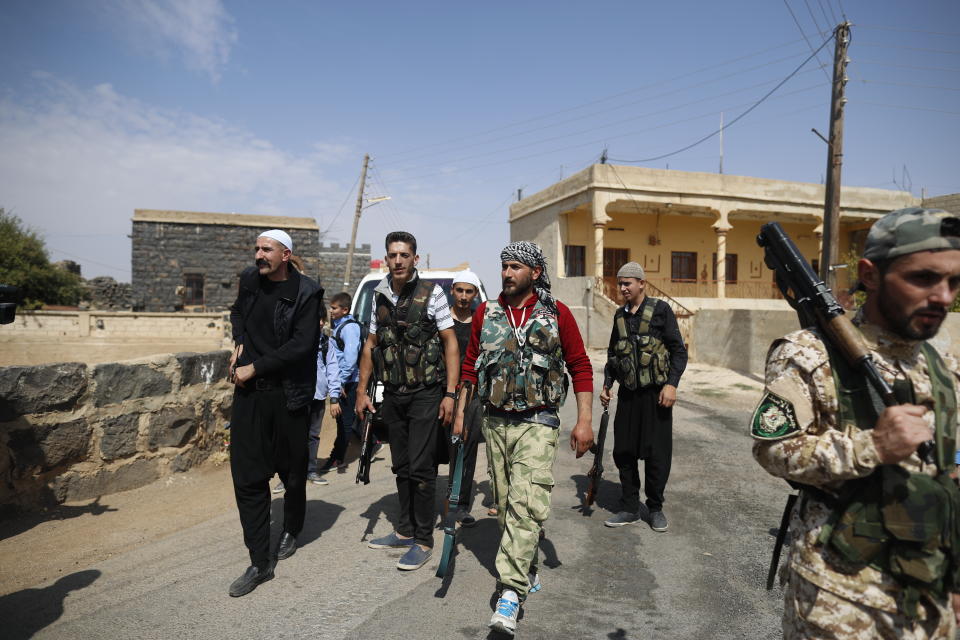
37, 548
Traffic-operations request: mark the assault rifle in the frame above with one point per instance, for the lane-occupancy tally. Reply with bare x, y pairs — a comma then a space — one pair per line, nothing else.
816, 306
596, 471
367, 438
456, 478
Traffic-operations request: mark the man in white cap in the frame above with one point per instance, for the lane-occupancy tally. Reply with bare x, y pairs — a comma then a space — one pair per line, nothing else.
464, 290
277, 334
646, 356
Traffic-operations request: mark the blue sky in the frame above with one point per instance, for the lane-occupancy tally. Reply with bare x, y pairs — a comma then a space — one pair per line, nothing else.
253, 107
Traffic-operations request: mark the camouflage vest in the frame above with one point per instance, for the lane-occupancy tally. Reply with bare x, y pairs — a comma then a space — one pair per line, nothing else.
902, 523
639, 360
408, 351
517, 377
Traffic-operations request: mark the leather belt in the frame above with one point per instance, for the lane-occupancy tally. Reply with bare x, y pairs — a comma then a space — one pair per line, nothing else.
266, 384
547, 417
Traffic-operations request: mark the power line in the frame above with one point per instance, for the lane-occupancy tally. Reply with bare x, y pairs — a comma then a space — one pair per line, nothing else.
340, 210
735, 120
569, 134
908, 66
929, 33
912, 108
887, 45
99, 264
594, 142
807, 40
827, 20
593, 102
596, 113
909, 84
816, 24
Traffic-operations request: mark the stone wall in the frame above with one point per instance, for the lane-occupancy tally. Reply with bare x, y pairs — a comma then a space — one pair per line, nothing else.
73, 432
333, 263
105, 293
31, 325
949, 203
163, 252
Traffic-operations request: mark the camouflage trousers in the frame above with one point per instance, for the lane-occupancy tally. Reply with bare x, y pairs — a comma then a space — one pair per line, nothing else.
520, 457
810, 612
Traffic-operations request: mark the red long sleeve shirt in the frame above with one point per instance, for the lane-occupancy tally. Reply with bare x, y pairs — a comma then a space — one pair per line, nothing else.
574, 355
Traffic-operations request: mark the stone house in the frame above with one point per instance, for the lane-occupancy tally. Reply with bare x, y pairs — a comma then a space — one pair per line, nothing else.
185, 260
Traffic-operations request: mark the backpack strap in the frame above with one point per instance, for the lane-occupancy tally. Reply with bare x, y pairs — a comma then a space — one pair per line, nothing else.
336, 332
649, 306
419, 301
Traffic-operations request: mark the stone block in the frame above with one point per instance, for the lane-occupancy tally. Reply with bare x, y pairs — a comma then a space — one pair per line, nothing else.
51, 387
216, 412
118, 382
171, 427
119, 438
84, 486
203, 368
49, 446
190, 458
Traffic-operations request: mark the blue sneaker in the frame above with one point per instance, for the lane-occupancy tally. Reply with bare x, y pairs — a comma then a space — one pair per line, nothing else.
392, 541
504, 618
415, 557
533, 579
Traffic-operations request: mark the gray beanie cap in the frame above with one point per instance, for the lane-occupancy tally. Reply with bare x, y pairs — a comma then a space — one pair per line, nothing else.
631, 270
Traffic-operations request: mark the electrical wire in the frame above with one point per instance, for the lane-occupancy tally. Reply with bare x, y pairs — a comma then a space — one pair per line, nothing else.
908, 66
887, 45
816, 24
807, 40
648, 98
569, 134
585, 144
593, 102
735, 120
909, 84
99, 264
929, 33
912, 108
340, 210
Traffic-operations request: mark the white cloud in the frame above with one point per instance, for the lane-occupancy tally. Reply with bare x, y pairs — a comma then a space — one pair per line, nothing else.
78, 161
201, 32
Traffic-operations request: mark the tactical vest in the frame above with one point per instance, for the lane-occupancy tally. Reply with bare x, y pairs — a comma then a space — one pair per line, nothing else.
408, 351
517, 377
639, 360
902, 523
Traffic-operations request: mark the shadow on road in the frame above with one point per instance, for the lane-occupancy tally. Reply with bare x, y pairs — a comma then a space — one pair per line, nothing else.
28, 611
607, 495
14, 524
319, 517
386, 506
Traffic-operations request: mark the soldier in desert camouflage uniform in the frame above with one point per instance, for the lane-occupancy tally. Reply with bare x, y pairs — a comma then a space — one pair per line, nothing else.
519, 346
875, 533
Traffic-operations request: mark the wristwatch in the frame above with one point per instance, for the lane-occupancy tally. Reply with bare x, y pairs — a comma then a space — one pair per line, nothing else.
334, 400
450, 394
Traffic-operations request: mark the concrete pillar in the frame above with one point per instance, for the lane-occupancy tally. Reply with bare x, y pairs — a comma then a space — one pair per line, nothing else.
721, 227
600, 219
818, 231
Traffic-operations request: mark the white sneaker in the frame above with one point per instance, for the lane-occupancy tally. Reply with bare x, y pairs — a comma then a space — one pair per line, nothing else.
504, 618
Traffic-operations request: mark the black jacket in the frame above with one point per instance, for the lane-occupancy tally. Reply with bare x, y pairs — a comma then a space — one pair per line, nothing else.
297, 328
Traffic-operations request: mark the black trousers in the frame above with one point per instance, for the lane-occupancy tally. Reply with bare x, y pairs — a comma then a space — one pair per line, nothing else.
643, 430
413, 427
267, 438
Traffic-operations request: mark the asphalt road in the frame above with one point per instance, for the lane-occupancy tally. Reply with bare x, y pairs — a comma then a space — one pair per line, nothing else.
702, 579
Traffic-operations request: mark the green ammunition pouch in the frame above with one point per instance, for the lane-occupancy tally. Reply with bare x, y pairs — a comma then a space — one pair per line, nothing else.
639, 360
408, 351
902, 523
518, 377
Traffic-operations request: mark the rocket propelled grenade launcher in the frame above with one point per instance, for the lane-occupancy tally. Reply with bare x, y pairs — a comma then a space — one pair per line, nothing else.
816, 306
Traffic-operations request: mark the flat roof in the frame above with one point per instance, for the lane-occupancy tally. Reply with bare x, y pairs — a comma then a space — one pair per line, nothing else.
228, 219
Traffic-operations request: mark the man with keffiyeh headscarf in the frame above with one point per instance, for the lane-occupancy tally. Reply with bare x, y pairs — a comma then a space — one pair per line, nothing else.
521, 348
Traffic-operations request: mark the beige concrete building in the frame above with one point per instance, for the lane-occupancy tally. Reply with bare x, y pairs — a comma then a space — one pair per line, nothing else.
693, 233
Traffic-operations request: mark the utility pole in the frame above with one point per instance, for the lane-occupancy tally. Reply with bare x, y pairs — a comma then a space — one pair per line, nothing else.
356, 220
831, 210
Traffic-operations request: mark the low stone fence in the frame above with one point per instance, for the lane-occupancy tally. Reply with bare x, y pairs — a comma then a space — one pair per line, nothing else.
70, 431
115, 324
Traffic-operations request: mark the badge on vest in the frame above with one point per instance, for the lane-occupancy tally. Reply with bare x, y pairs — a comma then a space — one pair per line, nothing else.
774, 418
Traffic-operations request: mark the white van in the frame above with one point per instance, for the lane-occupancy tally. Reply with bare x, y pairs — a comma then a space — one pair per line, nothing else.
363, 296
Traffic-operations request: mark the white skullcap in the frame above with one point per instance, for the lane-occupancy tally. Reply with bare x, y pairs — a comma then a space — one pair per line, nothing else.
467, 277
280, 236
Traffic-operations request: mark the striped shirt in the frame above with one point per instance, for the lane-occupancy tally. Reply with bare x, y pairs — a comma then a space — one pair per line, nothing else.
437, 307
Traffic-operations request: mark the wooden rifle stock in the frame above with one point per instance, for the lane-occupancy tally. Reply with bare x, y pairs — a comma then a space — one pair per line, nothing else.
596, 471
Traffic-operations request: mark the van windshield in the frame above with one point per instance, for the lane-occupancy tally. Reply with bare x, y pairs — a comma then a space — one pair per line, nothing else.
364, 303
